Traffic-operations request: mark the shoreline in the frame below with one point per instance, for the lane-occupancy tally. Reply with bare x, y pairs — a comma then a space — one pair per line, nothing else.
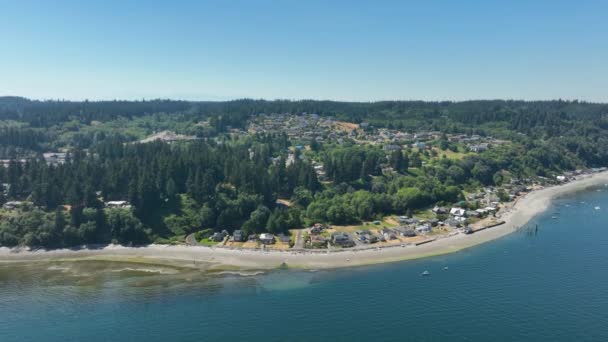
212, 258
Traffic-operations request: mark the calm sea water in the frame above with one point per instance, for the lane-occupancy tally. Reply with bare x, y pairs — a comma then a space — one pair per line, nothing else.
549, 285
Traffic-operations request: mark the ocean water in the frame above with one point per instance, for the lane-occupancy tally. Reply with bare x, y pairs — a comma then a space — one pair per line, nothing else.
545, 284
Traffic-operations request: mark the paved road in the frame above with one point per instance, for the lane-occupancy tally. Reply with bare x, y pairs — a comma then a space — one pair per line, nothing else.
299, 243
190, 240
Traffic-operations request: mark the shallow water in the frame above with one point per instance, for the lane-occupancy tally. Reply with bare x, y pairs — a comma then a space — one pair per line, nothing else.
549, 284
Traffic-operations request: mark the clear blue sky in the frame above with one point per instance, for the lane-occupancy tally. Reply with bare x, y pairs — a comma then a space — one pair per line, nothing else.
293, 49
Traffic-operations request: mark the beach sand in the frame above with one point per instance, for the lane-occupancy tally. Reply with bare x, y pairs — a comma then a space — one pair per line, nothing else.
202, 257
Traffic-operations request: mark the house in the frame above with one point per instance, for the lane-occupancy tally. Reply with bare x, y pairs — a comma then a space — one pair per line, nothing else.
561, 178
479, 148
267, 239
342, 239
252, 237
217, 237
53, 158
472, 213
317, 241
440, 210
12, 205
452, 222
388, 234
406, 232
117, 204
423, 228
419, 145
238, 236
433, 222
457, 212
316, 229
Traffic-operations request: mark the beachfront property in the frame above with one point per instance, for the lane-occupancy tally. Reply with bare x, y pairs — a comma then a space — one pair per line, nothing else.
317, 241
406, 232
218, 236
238, 236
267, 239
457, 212
342, 239
388, 234
366, 236
316, 229
423, 228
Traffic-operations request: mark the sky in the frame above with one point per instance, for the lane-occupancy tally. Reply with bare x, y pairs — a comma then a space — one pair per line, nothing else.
305, 49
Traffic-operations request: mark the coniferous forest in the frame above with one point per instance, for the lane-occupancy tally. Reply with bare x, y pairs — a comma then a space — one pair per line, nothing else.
225, 177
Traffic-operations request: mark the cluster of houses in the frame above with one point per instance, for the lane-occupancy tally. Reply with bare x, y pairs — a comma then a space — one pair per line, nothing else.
54, 158
317, 238
475, 143
303, 127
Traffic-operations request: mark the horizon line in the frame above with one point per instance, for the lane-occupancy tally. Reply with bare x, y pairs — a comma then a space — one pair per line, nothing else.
177, 99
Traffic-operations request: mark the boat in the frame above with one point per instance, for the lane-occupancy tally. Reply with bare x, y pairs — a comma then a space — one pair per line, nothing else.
425, 273
554, 217
445, 268
597, 208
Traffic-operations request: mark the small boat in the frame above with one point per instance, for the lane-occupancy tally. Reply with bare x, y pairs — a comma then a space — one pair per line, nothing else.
597, 208
554, 217
445, 268
425, 273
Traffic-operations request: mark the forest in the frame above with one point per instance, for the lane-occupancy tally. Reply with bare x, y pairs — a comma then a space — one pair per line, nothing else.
225, 182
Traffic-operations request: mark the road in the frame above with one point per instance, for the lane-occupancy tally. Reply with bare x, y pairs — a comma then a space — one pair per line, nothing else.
190, 240
299, 243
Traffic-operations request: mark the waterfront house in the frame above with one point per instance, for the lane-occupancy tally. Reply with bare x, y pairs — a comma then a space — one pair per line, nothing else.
316, 229
267, 239
423, 228
342, 239
472, 213
439, 210
388, 234
457, 212
318, 241
217, 237
406, 232
238, 236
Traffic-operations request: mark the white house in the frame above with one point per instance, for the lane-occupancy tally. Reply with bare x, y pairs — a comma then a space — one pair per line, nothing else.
457, 212
267, 239
117, 204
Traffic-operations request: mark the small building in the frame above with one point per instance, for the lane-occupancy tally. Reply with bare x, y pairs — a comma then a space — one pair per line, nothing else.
117, 204
238, 236
318, 241
440, 210
316, 229
267, 239
11, 205
342, 239
472, 213
217, 237
406, 232
388, 234
54, 158
423, 228
457, 212
452, 222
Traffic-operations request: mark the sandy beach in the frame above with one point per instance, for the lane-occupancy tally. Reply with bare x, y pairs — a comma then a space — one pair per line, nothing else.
524, 209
